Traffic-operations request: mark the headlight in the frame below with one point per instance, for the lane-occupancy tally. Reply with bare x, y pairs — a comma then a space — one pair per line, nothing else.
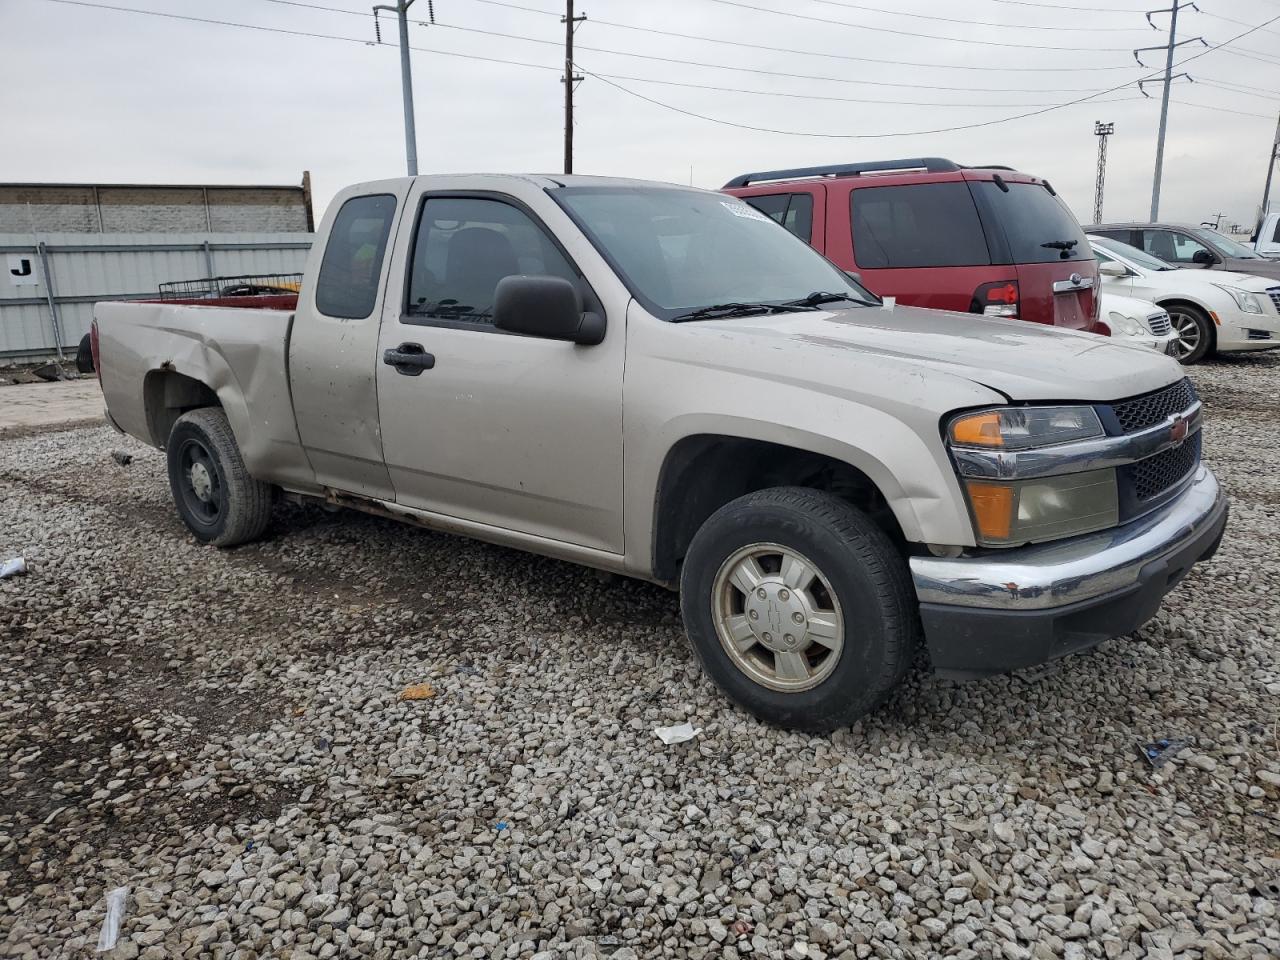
1013, 512
1009, 514
1124, 324
1245, 300
1020, 428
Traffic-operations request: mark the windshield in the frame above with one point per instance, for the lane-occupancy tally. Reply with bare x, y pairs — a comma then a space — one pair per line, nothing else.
1225, 245
680, 251
1132, 254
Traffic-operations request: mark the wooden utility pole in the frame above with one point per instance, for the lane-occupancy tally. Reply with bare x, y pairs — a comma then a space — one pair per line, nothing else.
569, 79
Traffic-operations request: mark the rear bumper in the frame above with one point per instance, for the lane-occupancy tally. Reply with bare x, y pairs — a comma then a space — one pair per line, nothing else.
1021, 607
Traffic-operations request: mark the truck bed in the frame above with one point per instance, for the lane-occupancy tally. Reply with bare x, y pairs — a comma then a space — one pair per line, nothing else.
156, 358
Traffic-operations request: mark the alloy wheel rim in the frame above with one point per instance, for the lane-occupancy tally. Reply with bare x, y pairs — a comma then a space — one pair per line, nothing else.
777, 617
1188, 330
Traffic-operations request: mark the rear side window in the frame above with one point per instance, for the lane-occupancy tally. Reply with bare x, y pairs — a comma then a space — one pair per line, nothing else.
1120, 236
793, 210
348, 283
464, 246
917, 225
1037, 225
1172, 247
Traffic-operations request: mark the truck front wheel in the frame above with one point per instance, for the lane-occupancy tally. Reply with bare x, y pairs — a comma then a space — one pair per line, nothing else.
215, 496
799, 607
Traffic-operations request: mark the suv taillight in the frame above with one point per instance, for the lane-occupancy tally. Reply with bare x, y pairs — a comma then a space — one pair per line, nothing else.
997, 299
93, 346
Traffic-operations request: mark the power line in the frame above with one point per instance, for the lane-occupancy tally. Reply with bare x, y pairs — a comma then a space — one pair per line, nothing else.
1246, 93
752, 70
910, 133
976, 23
918, 36
596, 21
698, 63
1071, 7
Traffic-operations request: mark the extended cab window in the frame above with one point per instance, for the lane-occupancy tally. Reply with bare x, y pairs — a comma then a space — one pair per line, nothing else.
920, 225
347, 286
793, 210
464, 246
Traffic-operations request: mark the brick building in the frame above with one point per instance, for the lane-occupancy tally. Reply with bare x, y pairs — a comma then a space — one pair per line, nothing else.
29, 208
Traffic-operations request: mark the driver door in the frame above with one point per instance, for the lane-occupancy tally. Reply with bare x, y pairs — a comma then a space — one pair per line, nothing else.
515, 432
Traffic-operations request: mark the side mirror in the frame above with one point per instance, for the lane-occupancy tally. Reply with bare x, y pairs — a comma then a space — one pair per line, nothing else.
1113, 269
549, 307
1204, 258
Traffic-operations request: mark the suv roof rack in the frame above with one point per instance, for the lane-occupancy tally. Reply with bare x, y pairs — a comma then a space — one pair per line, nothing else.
989, 166
928, 164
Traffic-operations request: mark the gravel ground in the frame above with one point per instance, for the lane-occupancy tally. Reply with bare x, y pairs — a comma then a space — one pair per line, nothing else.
221, 732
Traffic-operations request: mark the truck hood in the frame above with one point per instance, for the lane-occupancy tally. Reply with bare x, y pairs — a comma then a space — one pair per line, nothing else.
1022, 360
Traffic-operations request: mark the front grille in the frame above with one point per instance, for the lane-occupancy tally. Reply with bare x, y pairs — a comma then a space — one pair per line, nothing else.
1257, 334
1156, 475
1152, 408
1159, 323
1274, 294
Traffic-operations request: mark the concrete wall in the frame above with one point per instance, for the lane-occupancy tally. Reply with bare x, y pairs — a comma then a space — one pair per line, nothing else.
57, 208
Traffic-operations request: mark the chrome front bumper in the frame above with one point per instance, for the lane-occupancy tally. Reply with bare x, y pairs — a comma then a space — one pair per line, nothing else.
1045, 576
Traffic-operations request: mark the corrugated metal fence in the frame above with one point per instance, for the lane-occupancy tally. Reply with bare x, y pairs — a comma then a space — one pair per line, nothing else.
50, 283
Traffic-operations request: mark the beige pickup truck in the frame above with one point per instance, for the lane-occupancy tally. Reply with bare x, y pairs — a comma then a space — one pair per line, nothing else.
661, 382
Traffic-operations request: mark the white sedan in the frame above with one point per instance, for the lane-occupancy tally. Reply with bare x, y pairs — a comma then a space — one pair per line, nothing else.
1139, 323
1211, 310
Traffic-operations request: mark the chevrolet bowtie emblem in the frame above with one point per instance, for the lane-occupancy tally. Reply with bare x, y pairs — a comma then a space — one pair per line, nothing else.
1178, 429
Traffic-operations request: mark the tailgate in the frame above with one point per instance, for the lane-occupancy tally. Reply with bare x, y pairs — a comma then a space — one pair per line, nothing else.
1063, 294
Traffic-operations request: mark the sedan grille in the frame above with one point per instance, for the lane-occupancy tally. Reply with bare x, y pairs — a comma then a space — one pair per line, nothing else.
1152, 408
1274, 294
1156, 475
1159, 323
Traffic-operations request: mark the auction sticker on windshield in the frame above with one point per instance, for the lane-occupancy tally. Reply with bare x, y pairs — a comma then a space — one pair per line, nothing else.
745, 211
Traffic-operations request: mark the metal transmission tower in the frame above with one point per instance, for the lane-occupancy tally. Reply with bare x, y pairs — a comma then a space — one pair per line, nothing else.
401, 10
1172, 45
1102, 131
569, 80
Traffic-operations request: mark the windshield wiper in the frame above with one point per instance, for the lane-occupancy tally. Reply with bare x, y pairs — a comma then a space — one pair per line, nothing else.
819, 297
718, 310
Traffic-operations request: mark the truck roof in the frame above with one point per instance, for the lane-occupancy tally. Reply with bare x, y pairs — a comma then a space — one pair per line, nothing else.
541, 180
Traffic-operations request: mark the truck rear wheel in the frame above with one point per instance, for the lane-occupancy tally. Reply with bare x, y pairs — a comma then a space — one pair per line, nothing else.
215, 496
799, 608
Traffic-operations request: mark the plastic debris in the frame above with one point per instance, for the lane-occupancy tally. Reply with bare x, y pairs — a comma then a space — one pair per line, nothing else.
122, 457
418, 691
1159, 752
13, 568
469, 668
111, 922
501, 825
678, 733
49, 372
742, 928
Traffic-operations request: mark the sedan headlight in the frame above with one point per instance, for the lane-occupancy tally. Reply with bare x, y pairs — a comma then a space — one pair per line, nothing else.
1246, 301
1014, 512
1121, 323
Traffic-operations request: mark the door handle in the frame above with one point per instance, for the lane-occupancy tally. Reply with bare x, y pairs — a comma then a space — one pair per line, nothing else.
409, 359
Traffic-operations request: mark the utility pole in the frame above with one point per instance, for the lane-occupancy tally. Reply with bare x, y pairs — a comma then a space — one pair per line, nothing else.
401, 10
1102, 131
1271, 165
1172, 45
569, 79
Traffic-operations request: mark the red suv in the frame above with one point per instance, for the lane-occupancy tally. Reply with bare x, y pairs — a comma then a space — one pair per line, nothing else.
935, 234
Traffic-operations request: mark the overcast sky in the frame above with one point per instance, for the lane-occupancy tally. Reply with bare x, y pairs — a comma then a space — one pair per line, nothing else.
110, 96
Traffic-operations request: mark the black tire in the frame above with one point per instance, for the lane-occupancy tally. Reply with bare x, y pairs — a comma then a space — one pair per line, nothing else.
866, 575
84, 354
215, 496
1187, 316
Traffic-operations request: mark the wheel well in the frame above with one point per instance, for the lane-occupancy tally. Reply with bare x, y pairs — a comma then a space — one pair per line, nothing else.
1175, 302
168, 395
702, 473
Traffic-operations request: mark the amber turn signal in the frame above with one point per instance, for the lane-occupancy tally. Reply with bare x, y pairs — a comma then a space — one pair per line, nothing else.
992, 505
978, 430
